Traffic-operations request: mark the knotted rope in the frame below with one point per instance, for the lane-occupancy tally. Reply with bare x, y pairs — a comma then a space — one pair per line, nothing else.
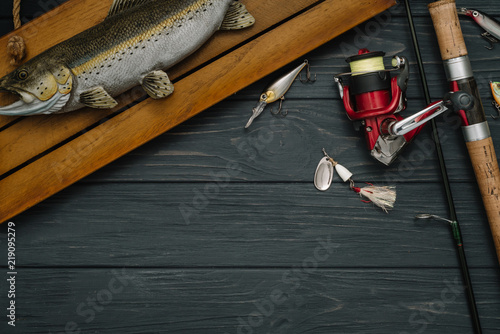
16, 47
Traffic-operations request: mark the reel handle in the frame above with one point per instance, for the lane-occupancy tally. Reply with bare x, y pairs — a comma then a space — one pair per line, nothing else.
447, 26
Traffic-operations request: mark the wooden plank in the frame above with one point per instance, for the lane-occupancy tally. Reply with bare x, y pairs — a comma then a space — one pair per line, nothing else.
244, 225
210, 84
206, 301
34, 135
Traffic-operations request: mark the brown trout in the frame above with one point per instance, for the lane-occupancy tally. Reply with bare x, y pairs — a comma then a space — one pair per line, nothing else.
133, 46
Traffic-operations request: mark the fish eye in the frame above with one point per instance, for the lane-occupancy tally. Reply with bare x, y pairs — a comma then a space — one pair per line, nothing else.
263, 97
22, 75
475, 14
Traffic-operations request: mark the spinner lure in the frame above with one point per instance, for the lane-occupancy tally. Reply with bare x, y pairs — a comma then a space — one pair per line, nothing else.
383, 197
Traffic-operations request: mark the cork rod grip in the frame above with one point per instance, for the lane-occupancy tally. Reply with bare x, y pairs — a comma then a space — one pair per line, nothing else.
485, 164
447, 26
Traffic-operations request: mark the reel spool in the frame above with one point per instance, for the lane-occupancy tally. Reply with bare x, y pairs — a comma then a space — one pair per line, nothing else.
370, 83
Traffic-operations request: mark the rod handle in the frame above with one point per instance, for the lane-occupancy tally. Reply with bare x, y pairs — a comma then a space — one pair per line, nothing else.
447, 26
485, 164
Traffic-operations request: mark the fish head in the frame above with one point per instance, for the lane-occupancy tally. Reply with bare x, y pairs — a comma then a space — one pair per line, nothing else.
268, 96
42, 88
472, 13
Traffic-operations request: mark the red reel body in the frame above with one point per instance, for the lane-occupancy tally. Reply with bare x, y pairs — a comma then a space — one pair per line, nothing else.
374, 99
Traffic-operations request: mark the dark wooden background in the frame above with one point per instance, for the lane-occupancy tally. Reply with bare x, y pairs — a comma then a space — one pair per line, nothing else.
114, 253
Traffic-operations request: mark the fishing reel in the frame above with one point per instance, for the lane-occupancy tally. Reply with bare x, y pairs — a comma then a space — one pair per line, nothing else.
374, 98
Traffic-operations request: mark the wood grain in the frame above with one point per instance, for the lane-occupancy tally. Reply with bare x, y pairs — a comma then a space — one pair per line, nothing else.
274, 300
247, 225
210, 84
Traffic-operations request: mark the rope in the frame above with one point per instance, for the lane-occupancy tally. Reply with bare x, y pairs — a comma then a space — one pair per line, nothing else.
16, 47
16, 12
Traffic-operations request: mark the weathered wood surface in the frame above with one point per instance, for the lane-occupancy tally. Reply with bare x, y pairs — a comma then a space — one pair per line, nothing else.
237, 223
50, 172
271, 300
387, 274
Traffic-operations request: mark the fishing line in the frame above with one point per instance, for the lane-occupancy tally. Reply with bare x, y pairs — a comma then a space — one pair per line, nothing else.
446, 182
373, 64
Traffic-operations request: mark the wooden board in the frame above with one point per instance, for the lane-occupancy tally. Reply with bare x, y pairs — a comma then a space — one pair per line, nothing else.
51, 172
387, 275
323, 301
283, 219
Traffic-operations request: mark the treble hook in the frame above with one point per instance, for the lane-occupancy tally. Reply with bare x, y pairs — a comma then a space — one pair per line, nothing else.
491, 39
280, 111
497, 107
308, 74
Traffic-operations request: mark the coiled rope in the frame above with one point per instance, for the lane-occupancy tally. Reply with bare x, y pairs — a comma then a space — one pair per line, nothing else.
16, 47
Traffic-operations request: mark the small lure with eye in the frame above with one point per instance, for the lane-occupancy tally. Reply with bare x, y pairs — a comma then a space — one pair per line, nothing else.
277, 90
488, 23
495, 90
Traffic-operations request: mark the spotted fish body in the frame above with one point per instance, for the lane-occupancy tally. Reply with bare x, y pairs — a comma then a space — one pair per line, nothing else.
132, 46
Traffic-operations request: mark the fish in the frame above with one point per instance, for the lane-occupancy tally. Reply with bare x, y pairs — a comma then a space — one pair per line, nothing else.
137, 42
488, 23
276, 91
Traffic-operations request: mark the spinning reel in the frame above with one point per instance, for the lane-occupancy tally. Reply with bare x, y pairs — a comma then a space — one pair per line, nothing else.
374, 98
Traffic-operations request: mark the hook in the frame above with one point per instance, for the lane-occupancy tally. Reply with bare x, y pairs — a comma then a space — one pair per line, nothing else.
491, 39
326, 154
430, 216
497, 107
308, 74
280, 111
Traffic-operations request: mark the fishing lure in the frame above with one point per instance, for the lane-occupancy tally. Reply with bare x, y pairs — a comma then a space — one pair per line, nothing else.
495, 90
488, 23
277, 90
383, 197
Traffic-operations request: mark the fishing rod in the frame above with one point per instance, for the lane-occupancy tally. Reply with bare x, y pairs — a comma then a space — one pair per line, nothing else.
446, 182
474, 125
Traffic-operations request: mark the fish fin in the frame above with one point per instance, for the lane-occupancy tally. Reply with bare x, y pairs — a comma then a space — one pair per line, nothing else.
67, 87
119, 6
61, 74
98, 98
237, 17
157, 84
